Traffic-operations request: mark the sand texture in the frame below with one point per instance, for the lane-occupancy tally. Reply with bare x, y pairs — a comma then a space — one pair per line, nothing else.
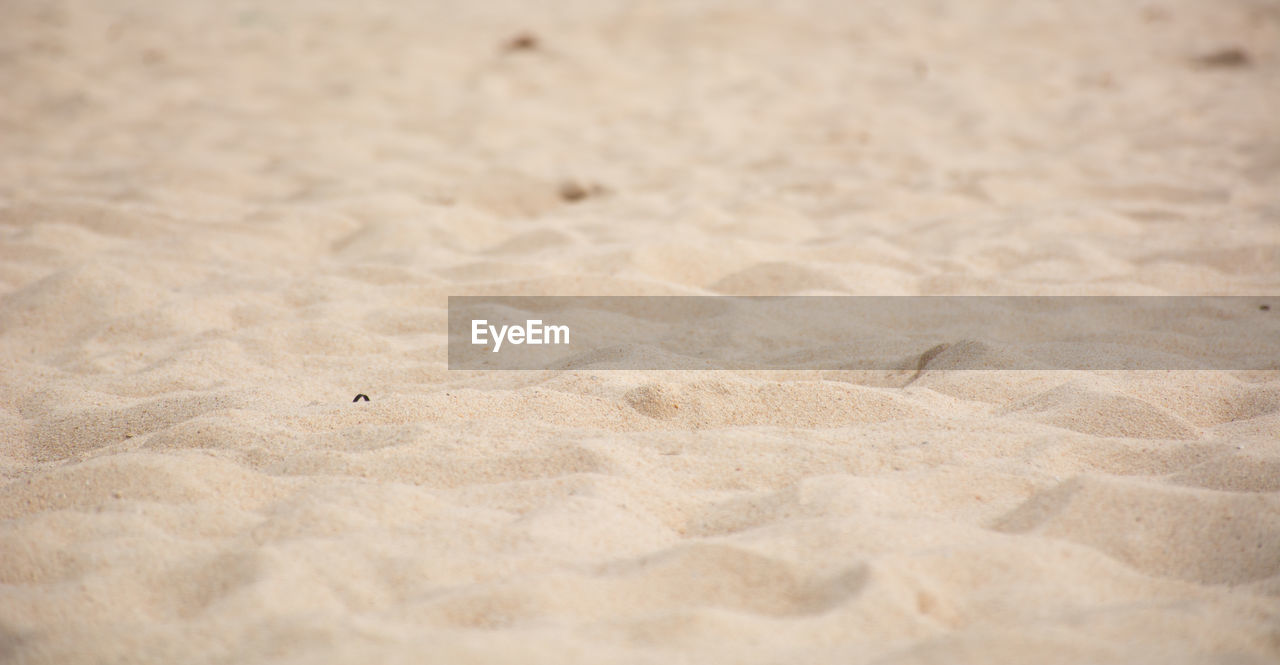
220, 221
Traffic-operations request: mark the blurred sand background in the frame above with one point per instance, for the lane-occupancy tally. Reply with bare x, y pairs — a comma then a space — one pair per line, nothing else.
219, 221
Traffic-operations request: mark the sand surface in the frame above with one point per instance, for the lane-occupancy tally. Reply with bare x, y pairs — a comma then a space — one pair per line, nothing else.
219, 221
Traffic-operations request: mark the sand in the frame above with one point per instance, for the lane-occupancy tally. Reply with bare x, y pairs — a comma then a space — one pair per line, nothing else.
220, 221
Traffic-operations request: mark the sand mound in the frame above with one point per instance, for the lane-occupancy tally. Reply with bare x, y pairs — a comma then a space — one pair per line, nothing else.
1152, 529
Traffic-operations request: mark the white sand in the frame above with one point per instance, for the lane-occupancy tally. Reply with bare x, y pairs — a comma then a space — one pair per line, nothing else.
219, 221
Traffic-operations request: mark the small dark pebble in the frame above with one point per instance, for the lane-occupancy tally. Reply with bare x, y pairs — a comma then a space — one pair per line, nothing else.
573, 192
1227, 57
524, 41
361, 396
1265, 308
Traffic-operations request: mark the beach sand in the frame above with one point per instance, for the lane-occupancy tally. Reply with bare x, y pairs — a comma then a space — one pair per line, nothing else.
220, 221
